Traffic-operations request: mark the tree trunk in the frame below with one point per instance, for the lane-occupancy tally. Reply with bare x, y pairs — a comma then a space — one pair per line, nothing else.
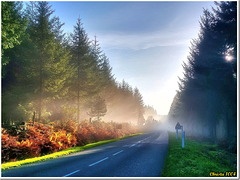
98, 116
33, 118
78, 89
40, 90
78, 97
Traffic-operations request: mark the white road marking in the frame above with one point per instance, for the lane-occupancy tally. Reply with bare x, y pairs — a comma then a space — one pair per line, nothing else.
98, 161
117, 153
71, 173
145, 138
132, 145
128, 145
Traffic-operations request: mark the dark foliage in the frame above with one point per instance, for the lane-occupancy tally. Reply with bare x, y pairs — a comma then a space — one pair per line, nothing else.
206, 103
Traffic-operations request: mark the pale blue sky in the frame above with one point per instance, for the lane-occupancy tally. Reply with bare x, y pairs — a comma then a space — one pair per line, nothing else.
146, 42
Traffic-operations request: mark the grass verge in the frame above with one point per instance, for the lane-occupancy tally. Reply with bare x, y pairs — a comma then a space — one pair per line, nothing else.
196, 159
64, 152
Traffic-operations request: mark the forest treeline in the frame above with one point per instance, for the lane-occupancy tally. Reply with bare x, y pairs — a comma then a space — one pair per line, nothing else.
49, 76
206, 102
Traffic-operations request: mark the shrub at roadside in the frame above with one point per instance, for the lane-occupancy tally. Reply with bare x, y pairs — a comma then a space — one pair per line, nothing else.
40, 139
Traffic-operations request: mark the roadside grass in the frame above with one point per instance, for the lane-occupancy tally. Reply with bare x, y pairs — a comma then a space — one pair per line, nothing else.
64, 152
196, 159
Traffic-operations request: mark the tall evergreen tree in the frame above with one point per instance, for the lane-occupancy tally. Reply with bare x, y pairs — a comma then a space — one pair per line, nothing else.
98, 108
80, 60
105, 76
139, 106
41, 34
50, 65
13, 26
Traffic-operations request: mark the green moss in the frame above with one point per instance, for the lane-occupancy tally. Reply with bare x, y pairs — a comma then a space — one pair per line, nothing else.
60, 153
195, 160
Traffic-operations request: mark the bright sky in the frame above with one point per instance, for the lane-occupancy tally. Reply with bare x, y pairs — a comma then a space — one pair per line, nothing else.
146, 42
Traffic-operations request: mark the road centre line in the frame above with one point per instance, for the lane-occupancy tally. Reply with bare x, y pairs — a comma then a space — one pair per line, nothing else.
98, 161
71, 173
104, 158
117, 153
146, 138
132, 145
138, 142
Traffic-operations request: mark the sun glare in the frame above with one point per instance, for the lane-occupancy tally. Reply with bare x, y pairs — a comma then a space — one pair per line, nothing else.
228, 58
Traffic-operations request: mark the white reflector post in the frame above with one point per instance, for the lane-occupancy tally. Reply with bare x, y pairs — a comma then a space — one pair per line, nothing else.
183, 138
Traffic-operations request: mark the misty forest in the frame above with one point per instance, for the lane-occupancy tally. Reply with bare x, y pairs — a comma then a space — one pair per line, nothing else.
60, 88
51, 81
206, 102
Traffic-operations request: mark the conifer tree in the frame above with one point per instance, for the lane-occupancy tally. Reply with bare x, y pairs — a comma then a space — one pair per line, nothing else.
98, 108
50, 64
80, 53
139, 106
13, 26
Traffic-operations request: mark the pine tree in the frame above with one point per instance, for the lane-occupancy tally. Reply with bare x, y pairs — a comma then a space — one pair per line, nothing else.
49, 67
139, 106
57, 86
80, 52
13, 26
98, 108
104, 69
42, 37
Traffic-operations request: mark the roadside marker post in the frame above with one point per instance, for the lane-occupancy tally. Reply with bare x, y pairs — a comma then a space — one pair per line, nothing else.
183, 138
178, 126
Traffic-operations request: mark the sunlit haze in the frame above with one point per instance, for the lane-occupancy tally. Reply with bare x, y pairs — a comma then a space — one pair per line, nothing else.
119, 89
228, 58
146, 42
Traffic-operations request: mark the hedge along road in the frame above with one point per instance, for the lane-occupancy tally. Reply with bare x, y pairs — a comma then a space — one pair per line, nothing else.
138, 156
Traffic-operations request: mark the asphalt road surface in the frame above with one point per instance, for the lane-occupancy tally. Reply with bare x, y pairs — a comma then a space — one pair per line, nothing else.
138, 156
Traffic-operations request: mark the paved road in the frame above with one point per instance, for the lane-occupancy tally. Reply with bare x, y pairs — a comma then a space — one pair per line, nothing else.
138, 156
